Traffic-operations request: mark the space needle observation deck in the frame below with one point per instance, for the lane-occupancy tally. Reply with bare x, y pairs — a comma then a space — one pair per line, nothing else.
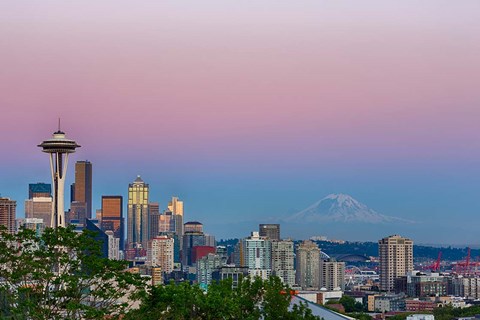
59, 147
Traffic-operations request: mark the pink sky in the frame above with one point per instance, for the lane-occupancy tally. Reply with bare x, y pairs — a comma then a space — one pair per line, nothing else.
267, 85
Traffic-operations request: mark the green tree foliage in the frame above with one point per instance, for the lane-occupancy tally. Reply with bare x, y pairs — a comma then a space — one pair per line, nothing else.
449, 312
251, 300
61, 275
350, 304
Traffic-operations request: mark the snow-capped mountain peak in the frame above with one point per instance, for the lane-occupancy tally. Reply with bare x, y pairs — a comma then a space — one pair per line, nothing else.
341, 208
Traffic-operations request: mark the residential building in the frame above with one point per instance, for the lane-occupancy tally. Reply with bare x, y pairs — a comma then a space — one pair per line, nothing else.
256, 255
205, 267
396, 259
230, 272
308, 265
283, 265
160, 252
137, 231
34, 224
8, 209
332, 275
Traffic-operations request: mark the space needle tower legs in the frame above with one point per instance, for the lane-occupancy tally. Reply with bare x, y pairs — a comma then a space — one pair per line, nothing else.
59, 147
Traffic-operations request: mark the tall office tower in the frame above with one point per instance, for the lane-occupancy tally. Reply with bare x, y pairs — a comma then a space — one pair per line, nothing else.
193, 226
39, 208
191, 239
396, 259
112, 217
332, 275
83, 185
308, 265
78, 211
271, 231
137, 233
160, 252
7, 214
39, 190
256, 255
154, 220
283, 261
206, 266
176, 208
59, 147
176, 247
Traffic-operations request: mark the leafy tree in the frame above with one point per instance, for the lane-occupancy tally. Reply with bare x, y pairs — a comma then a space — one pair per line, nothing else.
61, 275
350, 304
251, 300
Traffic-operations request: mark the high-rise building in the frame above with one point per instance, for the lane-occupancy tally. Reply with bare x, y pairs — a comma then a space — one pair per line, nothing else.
206, 266
396, 259
191, 239
112, 217
308, 265
166, 222
283, 261
154, 220
160, 252
271, 231
193, 226
39, 190
137, 233
59, 147
255, 253
175, 206
39, 208
78, 211
7, 214
332, 275
83, 185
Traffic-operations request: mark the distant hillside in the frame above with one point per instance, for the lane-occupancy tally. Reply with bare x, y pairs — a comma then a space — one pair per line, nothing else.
371, 249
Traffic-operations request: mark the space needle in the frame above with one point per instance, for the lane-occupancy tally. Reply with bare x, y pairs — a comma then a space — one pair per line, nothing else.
59, 147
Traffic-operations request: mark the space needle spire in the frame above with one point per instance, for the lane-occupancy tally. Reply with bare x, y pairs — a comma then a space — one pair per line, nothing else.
59, 147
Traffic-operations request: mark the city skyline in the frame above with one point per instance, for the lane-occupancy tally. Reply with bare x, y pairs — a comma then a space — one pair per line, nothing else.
274, 111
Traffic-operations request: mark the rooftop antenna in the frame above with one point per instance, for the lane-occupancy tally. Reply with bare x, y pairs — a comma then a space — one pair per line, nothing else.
59, 124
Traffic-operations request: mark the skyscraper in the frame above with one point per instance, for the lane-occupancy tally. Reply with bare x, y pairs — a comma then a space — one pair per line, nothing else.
271, 231
59, 147
308, 265
175, 206
283, 261
39, 190
39, 208
137, 233
396, 259
332, 275
7, 214
112, 217
154, 220
83, 185
160, 251
256, 255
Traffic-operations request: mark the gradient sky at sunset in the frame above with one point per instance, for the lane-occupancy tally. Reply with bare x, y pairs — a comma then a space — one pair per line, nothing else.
250, 110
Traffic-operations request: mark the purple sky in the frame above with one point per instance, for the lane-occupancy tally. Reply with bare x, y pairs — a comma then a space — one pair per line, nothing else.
251, 109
